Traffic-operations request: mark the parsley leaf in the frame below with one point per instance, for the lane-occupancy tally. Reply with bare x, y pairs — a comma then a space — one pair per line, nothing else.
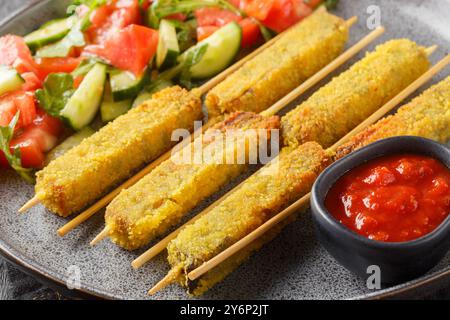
192, 58
58, 88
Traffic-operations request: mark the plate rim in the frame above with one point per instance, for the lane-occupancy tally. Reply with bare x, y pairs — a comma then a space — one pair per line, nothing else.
39, 273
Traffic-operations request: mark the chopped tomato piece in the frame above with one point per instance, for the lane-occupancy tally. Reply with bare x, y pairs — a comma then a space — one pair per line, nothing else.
14, 52
32, 82
205, 31
130, 49
31, 154
55, 65
13, 48
209, 20
11, 103
258, 9
215, 17
177, 16
251, 33
77, 81
3, 162
35, 140
51, 125
145, 4
278, 15
109, 19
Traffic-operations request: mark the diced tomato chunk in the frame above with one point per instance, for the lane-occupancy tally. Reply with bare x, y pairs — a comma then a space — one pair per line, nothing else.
3, 162
32, 82
130, 49
279, 15
109, 19
145, 4
13, 48
177, 16
77, 81
251, 33
31, 154
35, 140
212, 16
205, 31
11, 103
51, 125
56, 65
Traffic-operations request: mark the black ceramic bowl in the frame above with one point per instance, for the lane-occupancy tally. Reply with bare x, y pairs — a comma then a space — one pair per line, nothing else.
400, 261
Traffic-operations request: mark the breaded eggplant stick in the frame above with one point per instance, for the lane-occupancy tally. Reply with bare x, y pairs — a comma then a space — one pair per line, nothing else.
426, 116
354, 95
163, 197
55, 197
87, 171
122, 219
301, 52
265, 193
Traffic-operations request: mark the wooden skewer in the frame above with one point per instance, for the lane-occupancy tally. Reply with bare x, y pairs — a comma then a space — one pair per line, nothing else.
166, 281
103, 202
31, 203
227, 253
101, 236
161, 245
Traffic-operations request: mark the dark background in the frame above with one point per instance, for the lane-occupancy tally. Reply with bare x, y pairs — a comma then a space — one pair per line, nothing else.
15, 284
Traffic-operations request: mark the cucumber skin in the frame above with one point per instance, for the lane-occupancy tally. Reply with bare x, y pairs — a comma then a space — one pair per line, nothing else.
170, 60
110, 110
75, 102
35, 44
14, 84
171, 55
130, 92
200, 75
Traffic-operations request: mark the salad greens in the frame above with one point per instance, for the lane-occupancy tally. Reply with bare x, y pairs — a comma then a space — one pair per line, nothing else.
163, 8
58, 88
192, 58
14, 159
331, 4
62, 48
92, 4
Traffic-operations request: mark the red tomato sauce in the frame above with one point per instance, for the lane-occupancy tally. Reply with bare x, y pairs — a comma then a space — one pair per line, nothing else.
393, 198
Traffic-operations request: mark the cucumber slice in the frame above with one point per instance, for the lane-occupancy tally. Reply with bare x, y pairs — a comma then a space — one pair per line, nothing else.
110, 110
68, 144
82, 107
168, 49
223, 46
50, 32
141, 98
147, 94
10, 80
125, 85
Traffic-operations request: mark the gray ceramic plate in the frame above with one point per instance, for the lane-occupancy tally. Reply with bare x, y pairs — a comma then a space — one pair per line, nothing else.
293, 266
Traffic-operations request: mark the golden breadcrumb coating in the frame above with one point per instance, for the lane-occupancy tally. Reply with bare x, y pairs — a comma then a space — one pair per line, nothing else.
354, 95
261, 196
89, 170
426, 116
160, 200
300, 53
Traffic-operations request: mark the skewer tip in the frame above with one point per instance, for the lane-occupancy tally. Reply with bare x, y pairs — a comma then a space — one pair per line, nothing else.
430, 50
30, 204
166, 281
350, 22
101, 236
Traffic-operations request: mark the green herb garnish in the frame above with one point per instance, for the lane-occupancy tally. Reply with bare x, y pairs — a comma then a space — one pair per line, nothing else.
58, 88
14, 158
